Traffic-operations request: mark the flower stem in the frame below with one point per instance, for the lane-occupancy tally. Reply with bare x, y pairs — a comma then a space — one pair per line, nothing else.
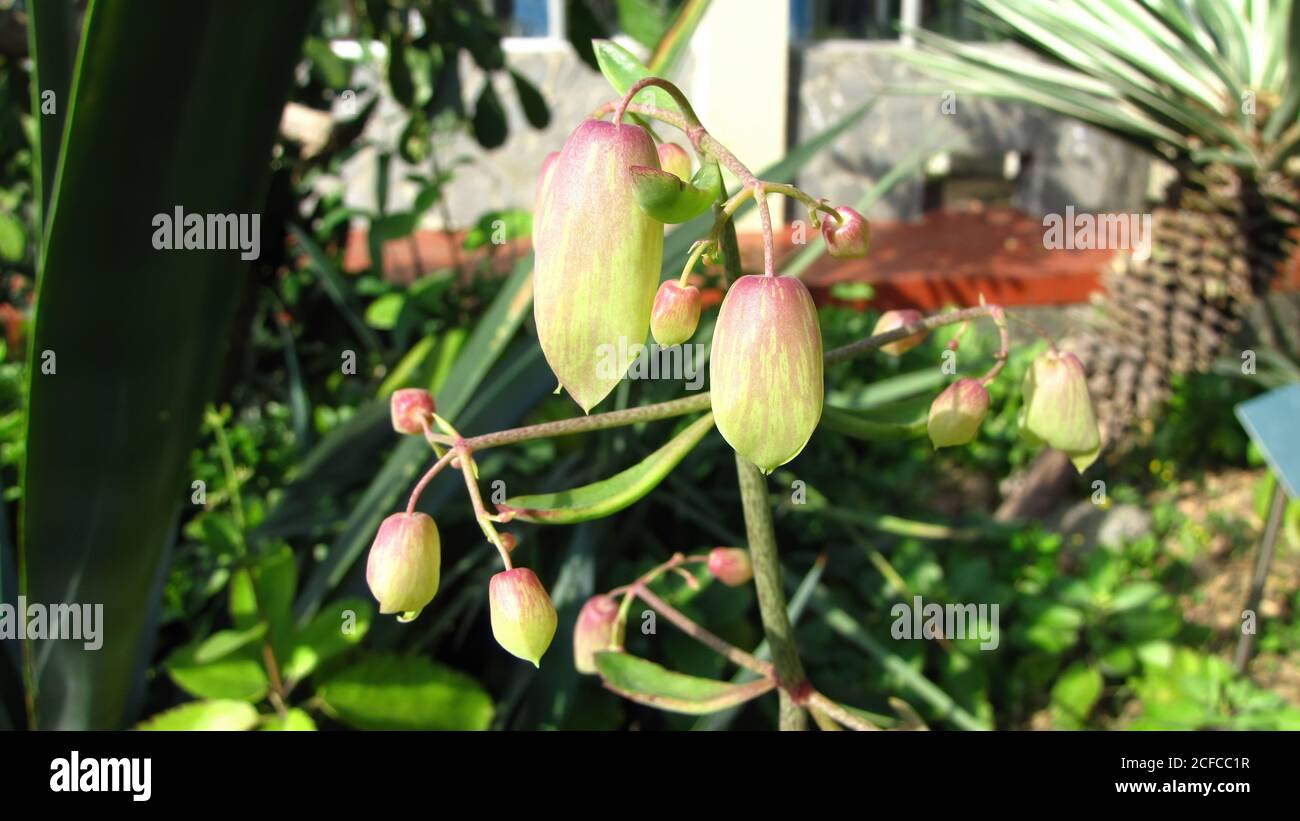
790, 675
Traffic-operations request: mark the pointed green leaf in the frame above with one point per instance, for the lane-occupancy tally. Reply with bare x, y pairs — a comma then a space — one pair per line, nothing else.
610, 495
226, 665
900, 420
124, 159
336, 628
391, 692
294, 720
647, 683
665, 197
623, 70
205, 715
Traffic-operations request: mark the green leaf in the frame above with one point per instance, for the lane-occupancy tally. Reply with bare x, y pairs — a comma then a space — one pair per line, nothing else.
1074, 694
294, 720
670, 200
1132, 596
642, 20
127, 157
205, 715
52, 39
610, 495
531, 101
399, 74
13, 239
678, 35
647, 683
623, 70
275, 578
489, 117
338, 627
900, 420
226, 665
502, 226
333, 71
383, 312
390, 692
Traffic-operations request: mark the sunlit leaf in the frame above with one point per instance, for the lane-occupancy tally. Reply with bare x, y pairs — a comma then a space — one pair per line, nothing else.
613, 494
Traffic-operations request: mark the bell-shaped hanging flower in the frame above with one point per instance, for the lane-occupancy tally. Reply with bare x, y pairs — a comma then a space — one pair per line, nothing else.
523, 617
890, 320
594, 632
1057, 408
597, 259
765, 369
676, 313
956, 413
404, 565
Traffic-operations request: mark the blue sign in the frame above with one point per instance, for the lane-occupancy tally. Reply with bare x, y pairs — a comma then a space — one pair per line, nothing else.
1273, 422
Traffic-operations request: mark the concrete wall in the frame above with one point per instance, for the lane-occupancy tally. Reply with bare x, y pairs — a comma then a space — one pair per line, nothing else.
1062, 162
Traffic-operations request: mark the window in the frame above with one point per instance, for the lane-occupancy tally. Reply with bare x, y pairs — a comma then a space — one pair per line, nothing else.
879, 19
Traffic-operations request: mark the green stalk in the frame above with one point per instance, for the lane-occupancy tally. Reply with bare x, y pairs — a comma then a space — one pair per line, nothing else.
771, 595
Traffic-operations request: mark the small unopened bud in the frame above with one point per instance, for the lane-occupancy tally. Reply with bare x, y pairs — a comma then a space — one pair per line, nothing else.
850, 237
890, 320
404, 564
674, 159
731, 566
594, 632
509, 541
1057, 408
676, 313
956, 414
412, 409
523, 617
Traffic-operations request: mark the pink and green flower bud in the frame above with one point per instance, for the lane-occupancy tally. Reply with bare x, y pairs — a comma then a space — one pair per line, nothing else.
850, 237
412, 409
890, 320
676, 313
594, 632
523, 617
1057, 408
405, 561
543, 178
597, 259
731, 566
666, 198
956, 414
765, 369
675, 160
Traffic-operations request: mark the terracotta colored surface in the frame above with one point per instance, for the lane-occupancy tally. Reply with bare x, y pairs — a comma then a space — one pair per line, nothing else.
945, 258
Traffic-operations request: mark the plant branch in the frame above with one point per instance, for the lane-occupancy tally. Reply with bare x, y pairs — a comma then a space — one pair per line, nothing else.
790, 675
701, 634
